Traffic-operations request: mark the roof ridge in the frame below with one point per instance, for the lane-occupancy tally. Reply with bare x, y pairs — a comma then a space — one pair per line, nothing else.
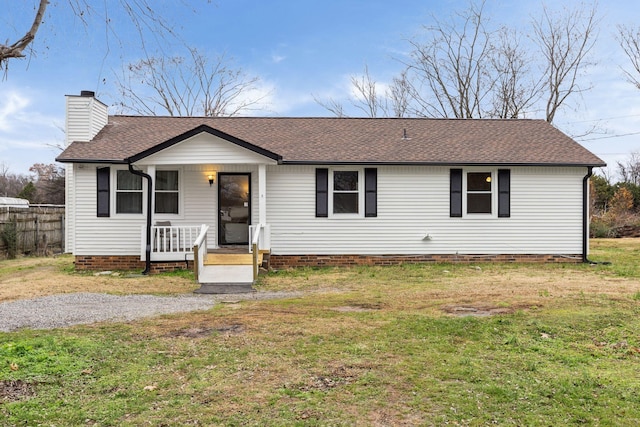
325, 118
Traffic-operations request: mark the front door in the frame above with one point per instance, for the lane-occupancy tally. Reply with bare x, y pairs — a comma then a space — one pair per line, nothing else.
234, 213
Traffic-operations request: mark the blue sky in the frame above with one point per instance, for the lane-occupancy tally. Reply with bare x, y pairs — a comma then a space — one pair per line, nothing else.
298, 48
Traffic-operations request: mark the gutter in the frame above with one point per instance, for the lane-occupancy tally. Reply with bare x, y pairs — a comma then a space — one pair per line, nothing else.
585, 219
585, 215
147, 251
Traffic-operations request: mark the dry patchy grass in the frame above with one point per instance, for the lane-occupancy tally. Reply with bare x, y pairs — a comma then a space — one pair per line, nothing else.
360, 346
482, 285
31, 277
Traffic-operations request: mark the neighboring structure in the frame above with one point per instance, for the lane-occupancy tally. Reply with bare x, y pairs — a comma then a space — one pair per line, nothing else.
14, 202
322, 191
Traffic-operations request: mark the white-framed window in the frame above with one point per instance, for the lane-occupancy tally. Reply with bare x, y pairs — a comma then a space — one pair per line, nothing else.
167, 192
128, 192
479, 192
346, 192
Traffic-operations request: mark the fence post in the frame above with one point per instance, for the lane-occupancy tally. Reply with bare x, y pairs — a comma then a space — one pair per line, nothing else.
63, 239
37, 233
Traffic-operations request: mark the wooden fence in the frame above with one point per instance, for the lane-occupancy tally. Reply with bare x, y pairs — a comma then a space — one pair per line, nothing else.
39, 229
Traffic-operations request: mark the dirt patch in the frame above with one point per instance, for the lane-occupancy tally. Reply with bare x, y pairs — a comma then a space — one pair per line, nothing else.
350, 309
15, 390
339, 376
202, 332
359, 307
233, 329
477, 310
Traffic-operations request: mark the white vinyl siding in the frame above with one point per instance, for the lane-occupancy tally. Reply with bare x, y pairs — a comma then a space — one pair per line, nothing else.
546, 215
85, 117
70, 207
115, 235
122, 234
412, 202
205, 148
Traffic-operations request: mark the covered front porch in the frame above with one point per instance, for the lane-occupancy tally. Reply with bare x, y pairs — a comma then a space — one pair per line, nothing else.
229, 203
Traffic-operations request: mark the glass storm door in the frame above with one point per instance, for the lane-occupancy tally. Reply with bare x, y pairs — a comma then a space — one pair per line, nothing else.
234, 213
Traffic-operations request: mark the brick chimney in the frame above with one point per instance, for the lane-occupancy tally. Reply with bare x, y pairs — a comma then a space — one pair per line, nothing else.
85, 116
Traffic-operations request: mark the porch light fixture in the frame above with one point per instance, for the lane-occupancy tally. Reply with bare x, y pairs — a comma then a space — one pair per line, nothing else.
210, 179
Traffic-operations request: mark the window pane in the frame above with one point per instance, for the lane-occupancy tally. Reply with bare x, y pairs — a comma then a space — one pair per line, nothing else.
167, 203
478, 203
129, 203
167, 180
129, 181
345, 203
479, 181
345, 181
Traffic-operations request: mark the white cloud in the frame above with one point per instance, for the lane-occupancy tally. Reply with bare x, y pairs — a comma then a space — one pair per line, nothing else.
276, 59
28, 134
11, 110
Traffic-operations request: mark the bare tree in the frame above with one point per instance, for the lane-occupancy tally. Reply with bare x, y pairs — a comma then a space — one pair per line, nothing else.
400, 95
49, 183
373, 98
10, 183
516, 89
366, 97
450, 75
142, 14
178, 86
629, 170
331, 105
565, 41
629, 39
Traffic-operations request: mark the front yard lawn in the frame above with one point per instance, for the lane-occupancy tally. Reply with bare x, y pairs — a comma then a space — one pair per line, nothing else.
486, 344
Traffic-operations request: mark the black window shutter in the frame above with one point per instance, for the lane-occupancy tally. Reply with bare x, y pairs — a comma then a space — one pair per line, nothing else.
371, 192
322, 193
504, 193
103, 175
455, 203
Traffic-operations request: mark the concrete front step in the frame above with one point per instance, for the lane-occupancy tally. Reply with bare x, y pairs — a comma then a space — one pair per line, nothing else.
226, 274
224, 288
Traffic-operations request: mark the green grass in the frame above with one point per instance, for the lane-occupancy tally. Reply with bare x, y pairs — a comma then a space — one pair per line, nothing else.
363, 346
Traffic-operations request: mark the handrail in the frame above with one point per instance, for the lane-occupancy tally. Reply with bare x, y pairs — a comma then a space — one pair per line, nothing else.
256, 249
200, 251
168, 239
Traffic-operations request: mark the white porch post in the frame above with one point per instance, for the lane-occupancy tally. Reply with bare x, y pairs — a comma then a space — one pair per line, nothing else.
262, 194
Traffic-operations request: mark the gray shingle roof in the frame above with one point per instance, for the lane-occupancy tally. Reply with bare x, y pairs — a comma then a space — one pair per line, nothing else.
348, 140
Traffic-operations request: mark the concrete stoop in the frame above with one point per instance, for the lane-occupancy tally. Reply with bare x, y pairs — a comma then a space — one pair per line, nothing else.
226, 279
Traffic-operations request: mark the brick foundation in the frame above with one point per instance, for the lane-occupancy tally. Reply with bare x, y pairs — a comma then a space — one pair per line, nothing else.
126, 262
132, 262
291, 261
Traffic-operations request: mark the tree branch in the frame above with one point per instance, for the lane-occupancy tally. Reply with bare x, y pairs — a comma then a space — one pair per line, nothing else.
16, 49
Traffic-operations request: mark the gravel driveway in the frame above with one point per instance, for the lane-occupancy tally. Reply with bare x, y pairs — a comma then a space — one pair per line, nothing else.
57, 311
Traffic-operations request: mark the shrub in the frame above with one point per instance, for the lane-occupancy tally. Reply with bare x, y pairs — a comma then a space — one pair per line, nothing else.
10, 238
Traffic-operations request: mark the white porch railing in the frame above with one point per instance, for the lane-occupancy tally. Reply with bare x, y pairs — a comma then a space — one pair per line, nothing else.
260, 241
173, 243
200, 251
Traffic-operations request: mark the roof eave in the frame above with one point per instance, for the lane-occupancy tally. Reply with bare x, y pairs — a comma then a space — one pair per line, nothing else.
103, 161
439, 163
